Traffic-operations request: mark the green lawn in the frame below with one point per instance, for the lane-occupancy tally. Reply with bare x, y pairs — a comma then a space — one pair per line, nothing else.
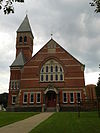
11, 117
68, 122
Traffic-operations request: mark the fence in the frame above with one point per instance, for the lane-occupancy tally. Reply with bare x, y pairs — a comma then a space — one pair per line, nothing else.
89, 105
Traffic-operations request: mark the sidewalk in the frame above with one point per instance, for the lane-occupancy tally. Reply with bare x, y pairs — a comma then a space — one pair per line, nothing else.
25, 126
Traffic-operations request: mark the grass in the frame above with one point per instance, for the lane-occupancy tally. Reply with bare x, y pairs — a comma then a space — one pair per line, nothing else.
68, 122
11, 117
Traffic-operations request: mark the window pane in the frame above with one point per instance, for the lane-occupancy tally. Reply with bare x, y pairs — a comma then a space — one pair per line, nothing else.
61, 77
25, 98
41, 77
78, 97
51, 68
38, 97
64, 97
42, 70
46, 77
13, 99
25, 39
51, 77
20, 39
12, 85
56, 77
15, 85
56, 69
46, 68
60, 69
32, 98
71, 97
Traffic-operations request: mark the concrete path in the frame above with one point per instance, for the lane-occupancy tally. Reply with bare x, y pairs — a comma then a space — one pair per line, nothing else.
25, 126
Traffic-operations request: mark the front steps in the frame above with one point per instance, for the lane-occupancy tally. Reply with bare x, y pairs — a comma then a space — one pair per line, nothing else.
51, 109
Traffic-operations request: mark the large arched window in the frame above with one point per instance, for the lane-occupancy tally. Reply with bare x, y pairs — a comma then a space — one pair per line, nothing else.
51, 71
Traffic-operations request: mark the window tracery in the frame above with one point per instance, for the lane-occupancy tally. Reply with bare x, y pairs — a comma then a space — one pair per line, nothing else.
51, 71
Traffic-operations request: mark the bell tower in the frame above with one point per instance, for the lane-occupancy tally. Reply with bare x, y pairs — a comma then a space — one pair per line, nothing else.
24, 40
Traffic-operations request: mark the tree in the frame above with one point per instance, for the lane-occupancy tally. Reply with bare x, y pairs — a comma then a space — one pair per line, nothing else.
4, 99
98, 95
7, 5
98, 88
96, 4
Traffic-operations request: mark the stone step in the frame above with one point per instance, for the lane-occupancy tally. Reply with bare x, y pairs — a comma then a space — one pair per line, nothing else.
51, 109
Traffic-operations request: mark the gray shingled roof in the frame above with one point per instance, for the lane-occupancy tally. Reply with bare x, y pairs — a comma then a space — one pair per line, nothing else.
19, 61
25, 26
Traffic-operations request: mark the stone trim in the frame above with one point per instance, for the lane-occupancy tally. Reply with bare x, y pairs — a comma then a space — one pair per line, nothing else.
72, 65
66, 59
15, 68
75, 78
31, 79
30, 66
51, 89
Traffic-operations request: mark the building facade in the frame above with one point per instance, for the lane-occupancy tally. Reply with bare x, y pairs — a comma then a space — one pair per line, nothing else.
91, 92
52, 78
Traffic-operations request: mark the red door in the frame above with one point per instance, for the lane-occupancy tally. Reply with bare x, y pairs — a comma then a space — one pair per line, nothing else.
51, 99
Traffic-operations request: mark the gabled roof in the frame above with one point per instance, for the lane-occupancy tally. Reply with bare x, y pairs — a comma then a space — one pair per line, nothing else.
19, 61
53, 41
25, 26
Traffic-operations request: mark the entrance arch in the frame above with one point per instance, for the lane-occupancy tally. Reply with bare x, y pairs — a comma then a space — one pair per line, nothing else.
51, 99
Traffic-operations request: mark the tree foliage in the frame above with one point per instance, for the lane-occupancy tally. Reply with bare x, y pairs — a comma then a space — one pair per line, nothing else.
96, 4
7, 5
98, 88
4, 99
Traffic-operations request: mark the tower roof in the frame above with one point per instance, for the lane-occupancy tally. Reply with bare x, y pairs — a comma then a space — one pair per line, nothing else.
25, 26
19, 61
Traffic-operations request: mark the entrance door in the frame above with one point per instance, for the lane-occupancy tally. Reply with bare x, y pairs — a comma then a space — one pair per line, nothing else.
51, 99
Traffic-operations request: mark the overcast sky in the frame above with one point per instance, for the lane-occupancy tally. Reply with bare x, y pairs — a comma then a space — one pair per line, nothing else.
74, 26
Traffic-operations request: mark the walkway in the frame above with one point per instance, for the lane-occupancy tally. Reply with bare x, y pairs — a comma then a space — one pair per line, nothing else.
25, 126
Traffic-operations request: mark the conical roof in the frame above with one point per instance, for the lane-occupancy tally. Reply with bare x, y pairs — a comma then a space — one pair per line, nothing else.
25, 26
19, 61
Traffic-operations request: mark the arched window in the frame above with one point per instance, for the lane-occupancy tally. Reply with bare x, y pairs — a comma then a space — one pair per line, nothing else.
51, 71
20, 39
25, 39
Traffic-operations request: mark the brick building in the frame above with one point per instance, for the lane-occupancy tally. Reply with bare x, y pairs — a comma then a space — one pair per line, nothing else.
52, 78
90, 92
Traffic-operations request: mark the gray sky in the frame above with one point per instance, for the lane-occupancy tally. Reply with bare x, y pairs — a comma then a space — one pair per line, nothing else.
74, 26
